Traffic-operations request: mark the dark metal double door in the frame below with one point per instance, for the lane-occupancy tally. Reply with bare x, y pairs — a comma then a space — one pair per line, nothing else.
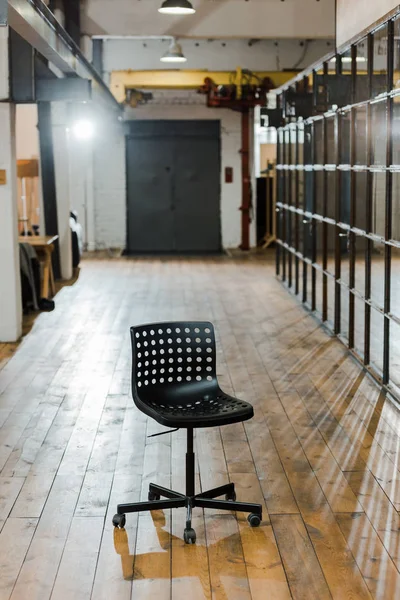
173, 178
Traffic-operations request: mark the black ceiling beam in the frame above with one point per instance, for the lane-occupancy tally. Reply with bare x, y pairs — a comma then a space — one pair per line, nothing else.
72, 20
3, 12
37, 24
32, 81
71, 89
42, 70
22, 80
97, 55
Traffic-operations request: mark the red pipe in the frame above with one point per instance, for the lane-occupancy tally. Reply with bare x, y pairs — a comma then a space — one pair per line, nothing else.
246, 182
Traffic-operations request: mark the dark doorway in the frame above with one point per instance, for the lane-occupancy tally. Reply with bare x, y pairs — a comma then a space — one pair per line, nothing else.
173, 182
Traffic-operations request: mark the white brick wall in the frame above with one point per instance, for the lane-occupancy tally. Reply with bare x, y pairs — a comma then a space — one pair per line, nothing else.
109, 175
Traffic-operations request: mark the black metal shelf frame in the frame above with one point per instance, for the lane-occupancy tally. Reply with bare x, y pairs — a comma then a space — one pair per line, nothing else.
338, 187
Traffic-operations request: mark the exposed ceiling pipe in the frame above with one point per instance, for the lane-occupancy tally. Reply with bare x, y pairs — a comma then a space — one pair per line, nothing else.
133, 37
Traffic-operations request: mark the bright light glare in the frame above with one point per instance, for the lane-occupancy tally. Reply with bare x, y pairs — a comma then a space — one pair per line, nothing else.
176, 10
174, 59
348, 59
83, 130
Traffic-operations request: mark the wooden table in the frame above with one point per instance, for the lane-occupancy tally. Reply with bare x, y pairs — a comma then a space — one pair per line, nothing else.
44, 246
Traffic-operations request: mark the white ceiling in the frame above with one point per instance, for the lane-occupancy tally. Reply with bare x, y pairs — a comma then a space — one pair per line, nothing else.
214, 19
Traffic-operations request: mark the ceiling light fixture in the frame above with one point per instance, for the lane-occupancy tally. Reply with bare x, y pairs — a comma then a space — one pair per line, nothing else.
174, 54
176, 7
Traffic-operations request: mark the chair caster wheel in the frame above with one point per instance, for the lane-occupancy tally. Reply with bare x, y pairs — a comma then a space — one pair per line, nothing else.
254, 520
189, 535
119, 521
152, 496
230, 497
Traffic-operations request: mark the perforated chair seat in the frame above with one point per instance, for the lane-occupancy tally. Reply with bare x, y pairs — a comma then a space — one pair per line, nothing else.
198, 410
174, 377
174, 381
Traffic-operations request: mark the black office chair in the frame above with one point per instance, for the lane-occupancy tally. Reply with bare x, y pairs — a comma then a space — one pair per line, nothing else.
174, 381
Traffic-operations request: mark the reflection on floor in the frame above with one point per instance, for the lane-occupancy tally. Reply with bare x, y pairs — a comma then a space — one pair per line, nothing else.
377, 296
321, 454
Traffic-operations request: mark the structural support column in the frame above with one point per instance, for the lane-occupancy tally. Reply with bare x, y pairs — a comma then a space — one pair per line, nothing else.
90, 229
62, 170
81, 187
10, 294
48, 179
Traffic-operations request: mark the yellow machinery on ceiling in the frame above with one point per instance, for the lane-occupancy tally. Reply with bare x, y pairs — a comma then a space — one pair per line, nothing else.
179, 79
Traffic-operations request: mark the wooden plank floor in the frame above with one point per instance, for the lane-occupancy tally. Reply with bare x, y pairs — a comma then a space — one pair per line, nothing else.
321, 454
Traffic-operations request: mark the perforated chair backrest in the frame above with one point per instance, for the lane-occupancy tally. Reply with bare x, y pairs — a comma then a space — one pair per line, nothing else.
170, 360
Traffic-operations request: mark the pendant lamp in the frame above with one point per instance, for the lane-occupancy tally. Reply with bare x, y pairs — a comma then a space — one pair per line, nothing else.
174, 54
176, 7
